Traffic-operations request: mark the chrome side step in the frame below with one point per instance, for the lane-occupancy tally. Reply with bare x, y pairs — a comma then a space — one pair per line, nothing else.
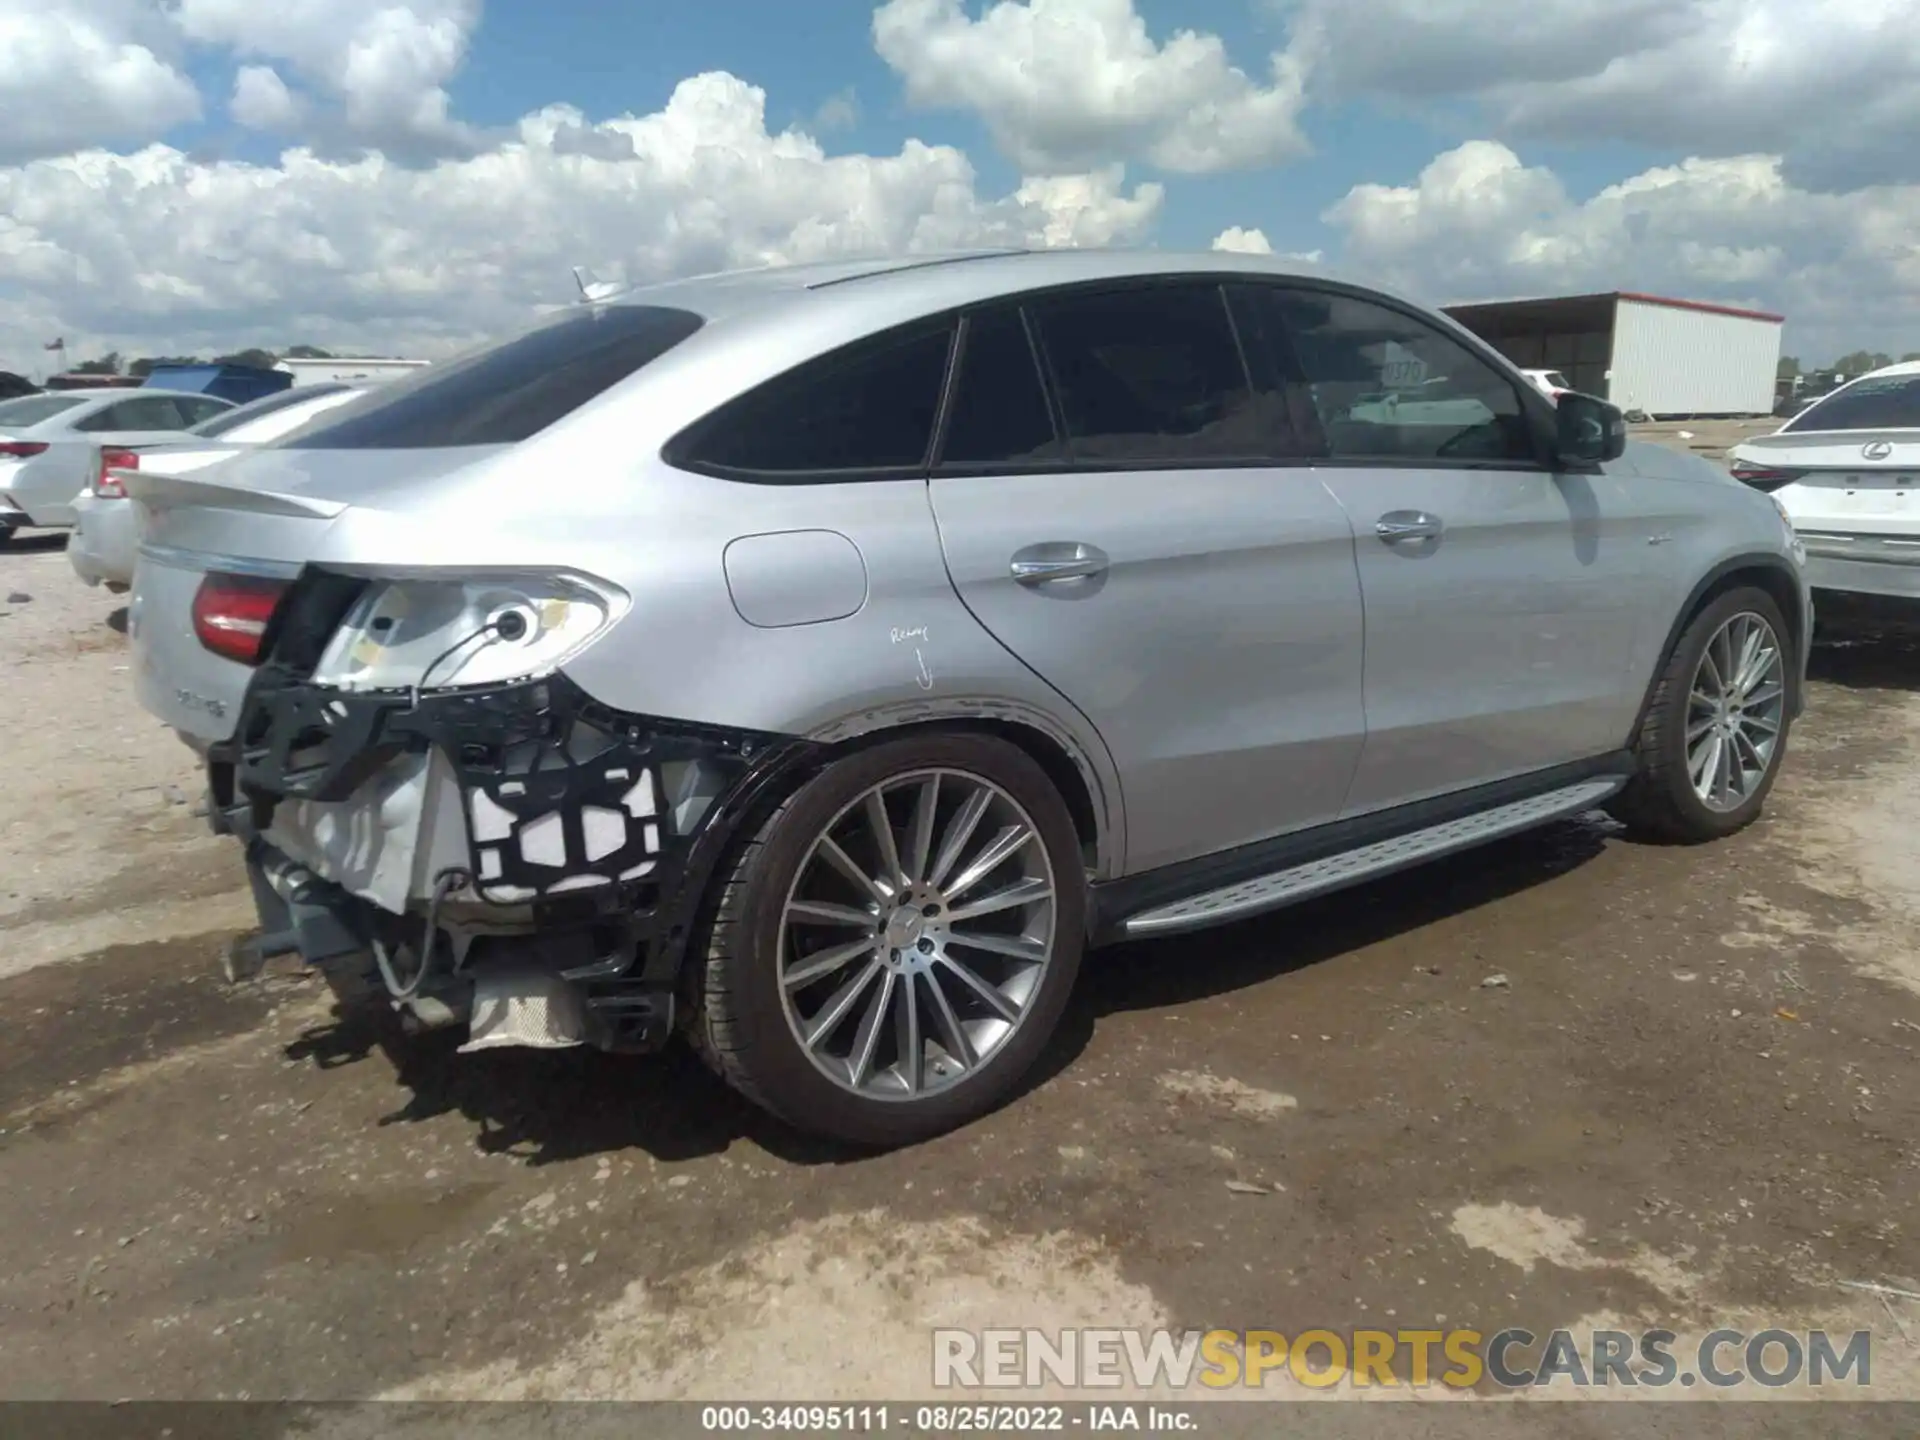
1382, 857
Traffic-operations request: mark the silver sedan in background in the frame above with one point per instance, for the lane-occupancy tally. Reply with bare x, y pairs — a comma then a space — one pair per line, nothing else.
106, 531
50, 445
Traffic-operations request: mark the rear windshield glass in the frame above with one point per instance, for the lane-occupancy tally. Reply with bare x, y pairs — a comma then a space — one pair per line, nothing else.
32, 409
506, 392
232, 419
1886, 402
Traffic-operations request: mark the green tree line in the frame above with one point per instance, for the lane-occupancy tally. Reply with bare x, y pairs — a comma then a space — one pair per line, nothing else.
1858, 363
113, 363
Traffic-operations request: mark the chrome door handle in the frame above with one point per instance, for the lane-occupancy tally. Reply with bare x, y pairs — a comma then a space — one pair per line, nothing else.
1397, 525
1039, 564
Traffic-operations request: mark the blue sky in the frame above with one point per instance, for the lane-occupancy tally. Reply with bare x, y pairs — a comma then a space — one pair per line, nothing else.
1460, 150
609, 60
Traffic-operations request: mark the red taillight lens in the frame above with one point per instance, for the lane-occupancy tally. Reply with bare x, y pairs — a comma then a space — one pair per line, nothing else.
21, 449
107, 485
1762, 477
231, 614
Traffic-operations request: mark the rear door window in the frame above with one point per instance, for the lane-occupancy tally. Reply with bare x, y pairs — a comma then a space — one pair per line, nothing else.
506, 392
146, 412
999, 415
1150, 375
867, 409
1879, 402
203, 408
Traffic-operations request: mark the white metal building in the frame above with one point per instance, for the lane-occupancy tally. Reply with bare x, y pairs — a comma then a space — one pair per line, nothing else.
1669, 358
318, 372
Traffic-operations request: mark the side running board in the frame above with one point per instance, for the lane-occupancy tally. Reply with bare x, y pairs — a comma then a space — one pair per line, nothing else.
1367, 862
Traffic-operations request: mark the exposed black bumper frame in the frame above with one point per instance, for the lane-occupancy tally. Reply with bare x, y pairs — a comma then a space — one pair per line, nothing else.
535, 753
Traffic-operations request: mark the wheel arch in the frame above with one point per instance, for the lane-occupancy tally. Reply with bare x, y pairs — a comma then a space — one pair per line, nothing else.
1770, 573
1084, 777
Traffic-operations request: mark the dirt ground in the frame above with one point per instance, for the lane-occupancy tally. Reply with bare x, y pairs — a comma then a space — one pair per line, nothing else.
1692, 1100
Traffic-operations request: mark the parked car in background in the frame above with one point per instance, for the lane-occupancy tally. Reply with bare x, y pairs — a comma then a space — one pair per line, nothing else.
50, 444
106, 534
1847, 471
13, 386
817, 660
1550, 383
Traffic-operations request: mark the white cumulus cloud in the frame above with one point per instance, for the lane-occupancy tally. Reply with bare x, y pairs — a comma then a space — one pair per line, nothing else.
86, 72
381, 67
1480, 224
156, 252
1832, 84
1245, 242
1074, 84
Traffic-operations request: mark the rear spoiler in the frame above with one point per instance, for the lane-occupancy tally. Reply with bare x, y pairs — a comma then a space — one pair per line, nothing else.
171, 492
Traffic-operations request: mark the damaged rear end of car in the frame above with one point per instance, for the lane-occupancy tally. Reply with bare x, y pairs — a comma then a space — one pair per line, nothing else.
364, 633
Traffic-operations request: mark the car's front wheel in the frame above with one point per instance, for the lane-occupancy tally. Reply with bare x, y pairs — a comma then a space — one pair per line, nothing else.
886, 958
1716, 725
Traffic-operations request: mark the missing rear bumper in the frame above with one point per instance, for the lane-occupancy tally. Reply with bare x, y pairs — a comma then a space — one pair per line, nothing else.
549, 891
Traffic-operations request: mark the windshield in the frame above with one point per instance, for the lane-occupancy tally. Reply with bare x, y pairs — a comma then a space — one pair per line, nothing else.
1877, 402
32, 409
233, 419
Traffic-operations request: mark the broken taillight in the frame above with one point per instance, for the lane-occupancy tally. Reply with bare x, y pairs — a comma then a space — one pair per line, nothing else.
231, 614
107, 484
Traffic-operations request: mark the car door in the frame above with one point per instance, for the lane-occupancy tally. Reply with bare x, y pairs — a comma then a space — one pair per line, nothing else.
1501, 596
1118, 509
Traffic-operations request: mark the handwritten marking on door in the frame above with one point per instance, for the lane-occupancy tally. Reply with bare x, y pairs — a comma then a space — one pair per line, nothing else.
917, 632
925, 678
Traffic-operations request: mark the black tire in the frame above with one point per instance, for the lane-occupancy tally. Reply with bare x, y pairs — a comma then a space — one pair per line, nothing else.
739, 1023
6, 535
1660, 803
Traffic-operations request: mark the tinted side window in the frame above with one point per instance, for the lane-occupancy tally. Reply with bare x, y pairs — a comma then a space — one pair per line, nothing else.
870, 406
1883, 402
198, 410
1151, 374
1387, 386
999, 413
506, 392
149, 412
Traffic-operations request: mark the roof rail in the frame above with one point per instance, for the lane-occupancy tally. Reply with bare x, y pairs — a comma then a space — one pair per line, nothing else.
952, 258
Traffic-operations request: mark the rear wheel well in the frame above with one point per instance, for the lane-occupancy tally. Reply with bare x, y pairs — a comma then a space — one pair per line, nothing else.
1045, 751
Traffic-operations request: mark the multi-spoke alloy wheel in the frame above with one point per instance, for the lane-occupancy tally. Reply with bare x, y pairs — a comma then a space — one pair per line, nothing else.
1715, 726
1736, 712
890, 951
916, 933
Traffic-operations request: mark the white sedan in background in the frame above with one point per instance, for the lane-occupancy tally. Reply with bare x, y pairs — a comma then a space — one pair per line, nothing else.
106, 535
50, 444
1847, 472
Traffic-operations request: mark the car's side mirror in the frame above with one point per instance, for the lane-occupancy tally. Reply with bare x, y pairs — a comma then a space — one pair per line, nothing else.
1588, 430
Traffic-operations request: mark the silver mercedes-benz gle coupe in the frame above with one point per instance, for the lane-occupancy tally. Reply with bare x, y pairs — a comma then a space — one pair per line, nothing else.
815, 661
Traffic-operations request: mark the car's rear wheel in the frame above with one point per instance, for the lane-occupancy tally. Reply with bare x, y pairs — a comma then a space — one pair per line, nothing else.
6, 532
886, 958
1716, 727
